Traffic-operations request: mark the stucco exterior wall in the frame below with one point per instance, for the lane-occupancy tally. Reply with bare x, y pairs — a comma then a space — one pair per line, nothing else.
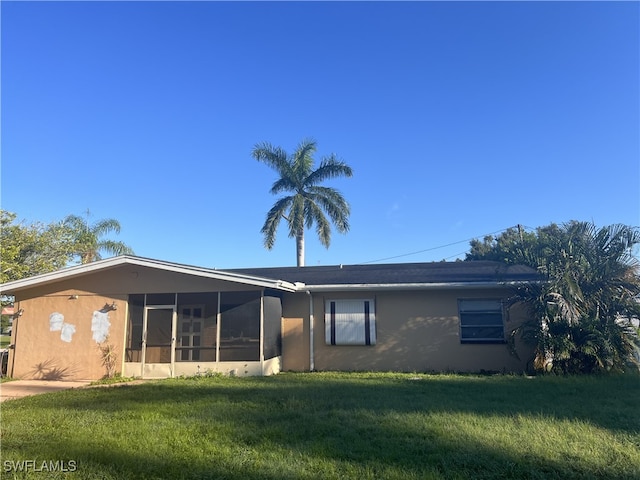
40, 353
416, 331
129, 279
295, 332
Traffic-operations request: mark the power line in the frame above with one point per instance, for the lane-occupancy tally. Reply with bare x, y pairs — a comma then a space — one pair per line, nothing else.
441, 246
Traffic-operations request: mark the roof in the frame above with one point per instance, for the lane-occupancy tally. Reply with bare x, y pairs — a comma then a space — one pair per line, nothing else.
419, 275
101, 265
475, 274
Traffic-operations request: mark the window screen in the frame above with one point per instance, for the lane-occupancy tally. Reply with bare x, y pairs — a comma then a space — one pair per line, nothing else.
350, 322
481, 321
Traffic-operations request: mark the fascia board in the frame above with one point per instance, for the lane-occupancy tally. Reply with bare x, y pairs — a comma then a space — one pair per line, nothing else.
217, 274
410, 286
46, 278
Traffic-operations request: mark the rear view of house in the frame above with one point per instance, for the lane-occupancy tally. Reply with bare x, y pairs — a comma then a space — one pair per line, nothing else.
164, 319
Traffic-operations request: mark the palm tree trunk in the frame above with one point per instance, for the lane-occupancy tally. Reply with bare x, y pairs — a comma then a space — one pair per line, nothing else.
300, 248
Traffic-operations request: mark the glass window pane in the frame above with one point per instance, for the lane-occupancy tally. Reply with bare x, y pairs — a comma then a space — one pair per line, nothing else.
481, 318
482, 333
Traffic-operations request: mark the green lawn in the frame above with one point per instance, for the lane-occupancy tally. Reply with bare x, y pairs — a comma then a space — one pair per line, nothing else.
328, 425
5, 341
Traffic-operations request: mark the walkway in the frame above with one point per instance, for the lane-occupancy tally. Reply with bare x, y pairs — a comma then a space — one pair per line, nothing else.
24, 388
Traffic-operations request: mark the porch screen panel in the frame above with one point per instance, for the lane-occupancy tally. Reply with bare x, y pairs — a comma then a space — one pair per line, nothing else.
239, 326
350, 322
197, 316
272, 327
159, 336
133, 350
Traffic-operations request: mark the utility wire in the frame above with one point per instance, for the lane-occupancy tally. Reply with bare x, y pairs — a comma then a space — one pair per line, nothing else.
441, 246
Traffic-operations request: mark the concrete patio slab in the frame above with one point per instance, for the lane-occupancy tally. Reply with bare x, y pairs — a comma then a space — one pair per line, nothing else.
25, 388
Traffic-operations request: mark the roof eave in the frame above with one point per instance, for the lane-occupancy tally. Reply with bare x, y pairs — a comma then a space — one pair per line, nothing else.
47, 278
410, 286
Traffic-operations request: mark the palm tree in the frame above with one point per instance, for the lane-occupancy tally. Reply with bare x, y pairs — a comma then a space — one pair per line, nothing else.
86, 240
309, 203
583, 313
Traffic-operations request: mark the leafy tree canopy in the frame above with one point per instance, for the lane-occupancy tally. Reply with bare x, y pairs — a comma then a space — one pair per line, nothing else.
585, 311
28, 249
31, 249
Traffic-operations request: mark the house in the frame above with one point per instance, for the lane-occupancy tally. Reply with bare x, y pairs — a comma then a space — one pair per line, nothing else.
165, 319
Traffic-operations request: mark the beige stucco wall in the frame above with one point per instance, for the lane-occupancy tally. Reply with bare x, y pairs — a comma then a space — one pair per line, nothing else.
39, 353
295, 344
416, 331
128, 279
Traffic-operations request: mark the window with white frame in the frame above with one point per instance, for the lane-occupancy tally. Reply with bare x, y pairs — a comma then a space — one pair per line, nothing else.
350, 322
481, 321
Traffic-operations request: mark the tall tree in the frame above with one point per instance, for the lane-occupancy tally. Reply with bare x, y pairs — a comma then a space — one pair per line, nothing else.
585, 312
87, 239
308, 202
30, 249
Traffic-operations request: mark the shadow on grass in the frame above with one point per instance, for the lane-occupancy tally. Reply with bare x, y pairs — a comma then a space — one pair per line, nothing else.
327, 419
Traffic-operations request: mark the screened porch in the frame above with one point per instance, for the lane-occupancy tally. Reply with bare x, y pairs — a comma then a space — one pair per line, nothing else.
173, 334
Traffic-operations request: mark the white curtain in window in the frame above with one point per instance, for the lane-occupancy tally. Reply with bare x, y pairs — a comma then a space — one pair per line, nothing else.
350, 322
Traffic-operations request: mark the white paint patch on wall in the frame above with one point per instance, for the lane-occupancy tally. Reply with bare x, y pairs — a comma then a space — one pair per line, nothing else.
100, 326
57, 324
67, 332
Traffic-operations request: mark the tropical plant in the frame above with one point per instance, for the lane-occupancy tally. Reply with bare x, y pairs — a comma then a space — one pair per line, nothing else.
585, 311
87, 242
30, 249
309, 203
108, 357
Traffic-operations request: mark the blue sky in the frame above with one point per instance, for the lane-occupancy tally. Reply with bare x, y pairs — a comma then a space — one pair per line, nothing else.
459, 119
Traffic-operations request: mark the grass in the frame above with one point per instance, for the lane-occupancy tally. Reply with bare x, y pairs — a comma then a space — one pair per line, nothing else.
113, 380
332, 425
5, 341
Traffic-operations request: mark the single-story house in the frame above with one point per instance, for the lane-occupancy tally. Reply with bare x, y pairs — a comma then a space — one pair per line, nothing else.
156, 319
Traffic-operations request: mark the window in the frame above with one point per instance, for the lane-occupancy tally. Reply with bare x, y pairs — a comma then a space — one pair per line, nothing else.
190, 332
481, 321
350, 322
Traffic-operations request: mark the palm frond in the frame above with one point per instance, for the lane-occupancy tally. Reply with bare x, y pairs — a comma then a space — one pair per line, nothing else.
314, 214
334, 204
330, 167
301, 162
274, 216
105, 226
296, 216
114, 247
274, 157
283, 184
